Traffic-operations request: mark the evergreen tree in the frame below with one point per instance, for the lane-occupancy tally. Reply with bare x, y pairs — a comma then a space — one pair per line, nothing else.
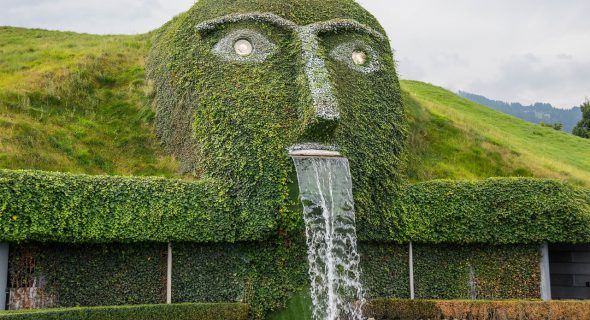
583, 127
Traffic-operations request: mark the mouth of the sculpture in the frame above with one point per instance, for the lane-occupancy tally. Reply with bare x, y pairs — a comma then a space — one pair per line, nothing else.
314, 150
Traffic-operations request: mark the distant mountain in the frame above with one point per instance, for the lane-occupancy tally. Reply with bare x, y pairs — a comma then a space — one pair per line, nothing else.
536, 113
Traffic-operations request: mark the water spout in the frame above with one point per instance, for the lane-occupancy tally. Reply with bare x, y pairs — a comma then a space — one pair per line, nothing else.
325, 189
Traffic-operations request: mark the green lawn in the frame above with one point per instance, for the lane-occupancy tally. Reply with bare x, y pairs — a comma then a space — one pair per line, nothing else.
80, 103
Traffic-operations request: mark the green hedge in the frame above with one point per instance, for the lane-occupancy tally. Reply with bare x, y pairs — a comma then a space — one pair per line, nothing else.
189, 311
493, 211
263, 275
385, 270
392, 309
44, 206
93, 275
476, 271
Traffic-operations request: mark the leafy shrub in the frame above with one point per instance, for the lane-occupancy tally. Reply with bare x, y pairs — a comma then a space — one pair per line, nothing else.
43, 206
390, 309
189, 311
493, 211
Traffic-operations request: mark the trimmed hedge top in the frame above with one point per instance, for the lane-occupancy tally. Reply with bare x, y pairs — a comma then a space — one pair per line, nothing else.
185, 311
41, 206
497, 211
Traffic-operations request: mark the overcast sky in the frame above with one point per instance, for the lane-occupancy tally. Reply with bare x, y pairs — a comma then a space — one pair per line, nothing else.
518, 51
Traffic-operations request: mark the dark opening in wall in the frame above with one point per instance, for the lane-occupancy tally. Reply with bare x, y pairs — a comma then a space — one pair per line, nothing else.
569, 266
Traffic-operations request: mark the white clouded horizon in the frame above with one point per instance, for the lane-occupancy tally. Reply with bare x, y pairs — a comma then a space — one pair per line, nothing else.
517, 51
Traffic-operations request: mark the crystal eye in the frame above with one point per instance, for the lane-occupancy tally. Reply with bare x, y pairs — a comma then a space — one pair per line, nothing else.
357, 55
244, 46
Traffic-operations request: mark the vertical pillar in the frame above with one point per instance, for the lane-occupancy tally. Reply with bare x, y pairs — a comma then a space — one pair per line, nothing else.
169, 275
3, 274
411, 265
545, 273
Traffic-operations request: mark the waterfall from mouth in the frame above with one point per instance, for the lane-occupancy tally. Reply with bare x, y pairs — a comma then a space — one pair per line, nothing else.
325, 189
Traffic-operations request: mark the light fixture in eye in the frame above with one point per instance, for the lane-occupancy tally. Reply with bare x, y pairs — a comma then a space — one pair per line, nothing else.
357, 56
244, 45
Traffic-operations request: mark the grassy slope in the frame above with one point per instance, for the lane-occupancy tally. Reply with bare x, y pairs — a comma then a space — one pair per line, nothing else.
78, 103
455, 138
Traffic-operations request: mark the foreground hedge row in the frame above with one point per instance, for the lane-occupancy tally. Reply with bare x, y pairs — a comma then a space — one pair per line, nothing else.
43, 206
392, 309
189, 311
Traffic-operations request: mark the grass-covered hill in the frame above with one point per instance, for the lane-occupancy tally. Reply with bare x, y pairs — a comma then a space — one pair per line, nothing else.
80, 103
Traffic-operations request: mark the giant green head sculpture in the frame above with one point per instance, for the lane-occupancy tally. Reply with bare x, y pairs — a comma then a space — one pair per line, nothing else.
238, 82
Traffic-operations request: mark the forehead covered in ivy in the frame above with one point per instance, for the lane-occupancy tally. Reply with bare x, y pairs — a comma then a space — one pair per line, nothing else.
301, 12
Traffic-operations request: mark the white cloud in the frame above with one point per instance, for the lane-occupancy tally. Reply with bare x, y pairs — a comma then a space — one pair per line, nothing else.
524, 51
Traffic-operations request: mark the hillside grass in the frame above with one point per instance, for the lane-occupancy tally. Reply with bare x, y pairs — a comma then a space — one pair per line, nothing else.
76, 103
80, 103
452, 137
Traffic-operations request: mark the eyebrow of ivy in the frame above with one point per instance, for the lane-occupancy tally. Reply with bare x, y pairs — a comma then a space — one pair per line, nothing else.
240, 17
344, 24
314, 28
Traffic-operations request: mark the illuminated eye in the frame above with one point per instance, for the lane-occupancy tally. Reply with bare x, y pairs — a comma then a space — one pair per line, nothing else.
244, 46
357, 56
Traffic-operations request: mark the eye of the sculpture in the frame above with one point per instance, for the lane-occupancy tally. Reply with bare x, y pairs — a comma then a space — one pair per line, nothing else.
357, 56
244, 45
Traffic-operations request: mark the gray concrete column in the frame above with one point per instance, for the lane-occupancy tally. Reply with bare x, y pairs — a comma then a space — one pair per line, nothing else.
411, 265
3, 274
545, 273
169, 275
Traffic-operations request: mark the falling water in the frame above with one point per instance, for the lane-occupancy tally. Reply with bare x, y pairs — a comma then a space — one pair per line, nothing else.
326, 193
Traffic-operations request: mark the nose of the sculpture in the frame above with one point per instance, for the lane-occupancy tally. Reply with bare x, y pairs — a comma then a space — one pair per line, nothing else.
322, 113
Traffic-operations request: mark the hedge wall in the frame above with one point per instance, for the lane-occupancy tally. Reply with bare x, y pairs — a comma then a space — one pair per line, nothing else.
385, 270
493, 211
476, 271
263, 275
188, 311
92, 275
44, 206
392, 309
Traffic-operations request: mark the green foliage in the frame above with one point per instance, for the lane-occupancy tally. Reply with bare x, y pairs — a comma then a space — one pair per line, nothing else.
245, 115
76, 103
582, 129
394, 309
554, 126
186, 311
493, 211
264, 275
40, 206
92, 275
385, 269
497, 272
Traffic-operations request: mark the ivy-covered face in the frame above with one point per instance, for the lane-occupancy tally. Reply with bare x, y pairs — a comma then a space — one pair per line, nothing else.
238, 82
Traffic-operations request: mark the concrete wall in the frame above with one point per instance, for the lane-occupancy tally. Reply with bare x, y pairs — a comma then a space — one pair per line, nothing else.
570, 271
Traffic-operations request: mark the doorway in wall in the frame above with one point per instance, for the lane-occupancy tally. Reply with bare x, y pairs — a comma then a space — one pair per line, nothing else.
569, 267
